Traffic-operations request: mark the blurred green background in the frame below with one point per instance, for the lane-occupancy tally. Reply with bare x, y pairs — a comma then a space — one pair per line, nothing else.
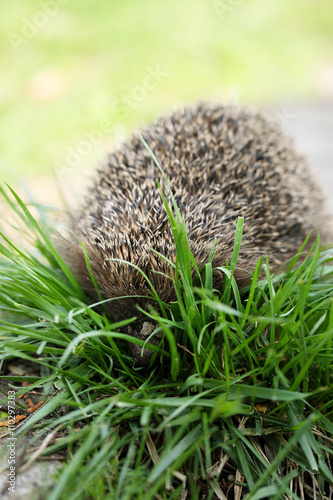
76, 75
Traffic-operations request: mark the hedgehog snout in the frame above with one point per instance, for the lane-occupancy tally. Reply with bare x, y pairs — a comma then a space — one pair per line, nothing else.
143, 355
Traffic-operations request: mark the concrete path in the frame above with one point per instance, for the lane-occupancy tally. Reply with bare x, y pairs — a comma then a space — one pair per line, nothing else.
311, 126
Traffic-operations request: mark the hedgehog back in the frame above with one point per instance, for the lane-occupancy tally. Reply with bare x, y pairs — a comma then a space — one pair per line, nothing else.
221, 162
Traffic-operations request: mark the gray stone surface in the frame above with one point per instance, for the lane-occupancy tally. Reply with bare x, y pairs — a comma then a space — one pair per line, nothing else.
311, 126
33, 484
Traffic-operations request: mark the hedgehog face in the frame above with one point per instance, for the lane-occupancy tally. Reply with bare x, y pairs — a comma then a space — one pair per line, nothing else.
143, 356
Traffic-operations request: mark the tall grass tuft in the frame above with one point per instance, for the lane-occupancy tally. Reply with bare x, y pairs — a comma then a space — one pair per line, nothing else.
237, 403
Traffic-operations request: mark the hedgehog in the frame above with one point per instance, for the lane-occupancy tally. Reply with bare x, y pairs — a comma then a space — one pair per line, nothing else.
221, 162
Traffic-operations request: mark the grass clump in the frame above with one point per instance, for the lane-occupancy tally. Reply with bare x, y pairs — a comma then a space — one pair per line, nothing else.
238, 402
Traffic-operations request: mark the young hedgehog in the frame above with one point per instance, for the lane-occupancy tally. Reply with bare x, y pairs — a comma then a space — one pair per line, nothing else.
221, 162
